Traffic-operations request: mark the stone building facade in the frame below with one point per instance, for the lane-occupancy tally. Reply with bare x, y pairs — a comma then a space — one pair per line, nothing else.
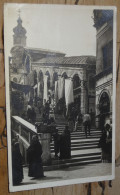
30, 66
103, 22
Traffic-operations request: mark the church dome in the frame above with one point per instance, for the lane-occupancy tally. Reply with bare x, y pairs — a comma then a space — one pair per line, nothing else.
19, 29
19, 37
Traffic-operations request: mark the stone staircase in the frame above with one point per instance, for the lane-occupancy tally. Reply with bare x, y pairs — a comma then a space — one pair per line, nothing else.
83, 150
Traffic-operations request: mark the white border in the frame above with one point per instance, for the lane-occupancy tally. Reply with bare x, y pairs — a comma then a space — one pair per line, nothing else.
7, 84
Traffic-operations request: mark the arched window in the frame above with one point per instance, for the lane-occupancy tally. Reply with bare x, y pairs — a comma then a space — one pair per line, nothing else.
48, 81
64, 75
35, 77
76, 81
40, 76
104, 104
55, 77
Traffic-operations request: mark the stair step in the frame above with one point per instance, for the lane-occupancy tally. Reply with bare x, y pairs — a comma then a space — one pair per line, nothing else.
80, 148
84, 137
78, 144
67, 165
83, 150
59, 161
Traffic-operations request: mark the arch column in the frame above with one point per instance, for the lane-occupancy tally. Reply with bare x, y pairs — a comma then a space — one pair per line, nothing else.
38, 85
83, 98
45, 90
35, 83
84, 93
51, 79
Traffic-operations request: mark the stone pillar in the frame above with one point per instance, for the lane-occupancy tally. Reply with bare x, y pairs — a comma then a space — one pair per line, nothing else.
51, 78
97, 109
45, 142
19, 127
83, 98
38, 89
38, 85
29, 137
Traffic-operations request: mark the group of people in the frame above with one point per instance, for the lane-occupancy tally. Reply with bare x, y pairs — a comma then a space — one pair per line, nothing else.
44, 112
62, 147
34, 160
83, 120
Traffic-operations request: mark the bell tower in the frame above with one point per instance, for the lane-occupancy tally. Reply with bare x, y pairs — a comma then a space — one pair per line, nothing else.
19, 36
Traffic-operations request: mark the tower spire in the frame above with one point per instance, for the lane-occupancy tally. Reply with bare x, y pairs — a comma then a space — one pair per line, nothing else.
19, 11
19, 37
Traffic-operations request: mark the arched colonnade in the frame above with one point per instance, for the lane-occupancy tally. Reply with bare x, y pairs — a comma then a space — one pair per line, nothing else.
46, 79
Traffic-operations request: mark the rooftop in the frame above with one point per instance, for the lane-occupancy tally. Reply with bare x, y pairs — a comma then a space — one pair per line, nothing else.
44, 51
91, 60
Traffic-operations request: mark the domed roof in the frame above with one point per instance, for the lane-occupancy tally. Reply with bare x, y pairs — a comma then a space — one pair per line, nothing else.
19, 30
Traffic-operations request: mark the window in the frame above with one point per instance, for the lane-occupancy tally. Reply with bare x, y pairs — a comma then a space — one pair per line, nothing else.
108, 55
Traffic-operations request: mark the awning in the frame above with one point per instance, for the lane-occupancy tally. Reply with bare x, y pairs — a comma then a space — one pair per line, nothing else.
24, 88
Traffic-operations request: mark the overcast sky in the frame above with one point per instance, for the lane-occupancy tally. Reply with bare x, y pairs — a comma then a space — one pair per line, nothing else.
67, 29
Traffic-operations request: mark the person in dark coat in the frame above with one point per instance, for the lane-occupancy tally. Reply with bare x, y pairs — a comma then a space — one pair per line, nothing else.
29, 112
17, 168
56, 138
106, 143
33, 116
34, 153
65, 144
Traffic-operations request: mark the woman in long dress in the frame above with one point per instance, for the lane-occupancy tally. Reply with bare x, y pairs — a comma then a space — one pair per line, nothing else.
34, 153
17, 168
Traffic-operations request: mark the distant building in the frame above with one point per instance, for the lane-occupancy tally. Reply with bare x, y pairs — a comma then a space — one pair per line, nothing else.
103, 22
30, 67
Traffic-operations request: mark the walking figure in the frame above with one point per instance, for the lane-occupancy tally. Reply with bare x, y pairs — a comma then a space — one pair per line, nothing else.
87, 123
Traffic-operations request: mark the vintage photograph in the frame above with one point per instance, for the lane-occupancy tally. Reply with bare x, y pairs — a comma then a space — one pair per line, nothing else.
60, 71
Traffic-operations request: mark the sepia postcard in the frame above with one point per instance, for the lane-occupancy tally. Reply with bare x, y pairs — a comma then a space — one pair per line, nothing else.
60, 73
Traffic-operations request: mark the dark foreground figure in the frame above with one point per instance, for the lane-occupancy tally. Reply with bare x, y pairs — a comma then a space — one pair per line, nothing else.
65, 144
106, 143
34, 153
17, 168
56, 138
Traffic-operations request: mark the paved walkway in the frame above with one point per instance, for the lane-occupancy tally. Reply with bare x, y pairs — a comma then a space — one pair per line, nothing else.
100, 169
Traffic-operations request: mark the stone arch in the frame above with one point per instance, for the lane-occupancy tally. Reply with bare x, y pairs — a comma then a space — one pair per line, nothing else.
34, 77
104, 101
77, 92
64, 74
76, 81
41, 83
35, 82
105, 91
48, 80
40, 76
55, 78
104, 107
